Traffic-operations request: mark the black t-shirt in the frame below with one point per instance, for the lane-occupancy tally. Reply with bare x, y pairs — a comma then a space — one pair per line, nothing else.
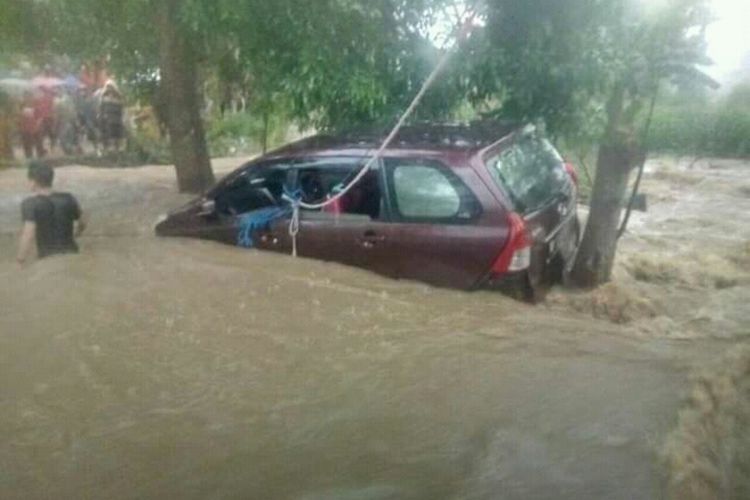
54, 215
111, 111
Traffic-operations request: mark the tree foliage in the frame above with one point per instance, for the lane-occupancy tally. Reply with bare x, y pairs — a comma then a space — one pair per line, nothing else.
349, 62
340, 64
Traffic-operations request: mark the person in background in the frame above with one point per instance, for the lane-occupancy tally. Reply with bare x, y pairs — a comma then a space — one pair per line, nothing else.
44, 107
85, 104
101, 75
6, 126
52, 220
29, 127
67, 124
87, 77
111, 116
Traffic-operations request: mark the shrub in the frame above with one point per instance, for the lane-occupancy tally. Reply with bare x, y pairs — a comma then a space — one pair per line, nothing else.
242, 133
718, 129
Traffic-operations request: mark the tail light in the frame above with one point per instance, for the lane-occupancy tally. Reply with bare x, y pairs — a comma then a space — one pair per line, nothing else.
516, 256
572, 172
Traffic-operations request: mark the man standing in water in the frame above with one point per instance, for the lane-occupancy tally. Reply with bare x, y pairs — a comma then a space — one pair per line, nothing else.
50, 219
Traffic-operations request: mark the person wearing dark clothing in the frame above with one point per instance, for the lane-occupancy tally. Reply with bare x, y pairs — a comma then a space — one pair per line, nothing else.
50, 219
86, 108
67, 124
111, 116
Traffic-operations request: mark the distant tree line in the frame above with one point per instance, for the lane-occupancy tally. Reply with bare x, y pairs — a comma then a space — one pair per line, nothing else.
690, 125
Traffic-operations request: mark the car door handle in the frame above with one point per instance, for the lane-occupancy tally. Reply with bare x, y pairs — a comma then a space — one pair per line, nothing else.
269, 238
370, 238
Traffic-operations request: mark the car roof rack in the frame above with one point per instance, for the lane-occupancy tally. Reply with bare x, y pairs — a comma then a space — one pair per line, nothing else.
473, 135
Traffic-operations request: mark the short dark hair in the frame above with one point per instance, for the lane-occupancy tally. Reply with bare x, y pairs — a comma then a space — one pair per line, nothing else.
41, 173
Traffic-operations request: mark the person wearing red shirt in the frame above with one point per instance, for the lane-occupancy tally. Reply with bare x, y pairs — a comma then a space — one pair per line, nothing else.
29, 128
45, 111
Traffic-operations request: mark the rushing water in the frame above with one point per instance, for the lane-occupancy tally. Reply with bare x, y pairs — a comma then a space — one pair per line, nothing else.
149, 368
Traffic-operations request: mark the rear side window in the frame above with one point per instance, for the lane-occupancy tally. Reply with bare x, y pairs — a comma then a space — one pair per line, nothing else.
531, 171
429, 192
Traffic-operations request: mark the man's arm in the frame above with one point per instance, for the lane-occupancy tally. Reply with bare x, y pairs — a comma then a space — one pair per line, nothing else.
26, 241
79, 217
81, 224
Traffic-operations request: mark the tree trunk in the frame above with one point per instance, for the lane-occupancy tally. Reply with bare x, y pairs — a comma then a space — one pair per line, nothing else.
596, 255
618, 154
182, 101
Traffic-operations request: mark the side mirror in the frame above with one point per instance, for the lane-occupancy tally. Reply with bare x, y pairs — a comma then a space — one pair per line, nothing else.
208, 208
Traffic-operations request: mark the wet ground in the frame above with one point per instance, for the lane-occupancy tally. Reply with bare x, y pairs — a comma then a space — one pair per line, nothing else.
162, 368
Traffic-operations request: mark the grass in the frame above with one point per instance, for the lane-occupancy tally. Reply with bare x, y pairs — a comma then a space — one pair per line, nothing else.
708, 454
697, 271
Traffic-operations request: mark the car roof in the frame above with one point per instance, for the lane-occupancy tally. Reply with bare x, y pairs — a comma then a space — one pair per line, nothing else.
428, 139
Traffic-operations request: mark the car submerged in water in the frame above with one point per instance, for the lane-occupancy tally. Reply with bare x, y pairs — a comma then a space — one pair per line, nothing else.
483, 205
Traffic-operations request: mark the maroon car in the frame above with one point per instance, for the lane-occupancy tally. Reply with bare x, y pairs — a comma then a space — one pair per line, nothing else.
455, 206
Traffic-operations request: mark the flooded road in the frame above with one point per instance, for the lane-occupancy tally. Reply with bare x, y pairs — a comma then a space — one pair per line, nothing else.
165, 368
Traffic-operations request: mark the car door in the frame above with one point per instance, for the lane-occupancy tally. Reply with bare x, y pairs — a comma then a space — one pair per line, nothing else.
240, 208
351, 239
446, 229
354, 231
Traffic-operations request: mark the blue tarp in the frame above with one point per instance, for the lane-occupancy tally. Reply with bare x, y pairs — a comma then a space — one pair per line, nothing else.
256, 220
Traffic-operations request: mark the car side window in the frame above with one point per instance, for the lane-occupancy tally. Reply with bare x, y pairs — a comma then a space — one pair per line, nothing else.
319, 179
531, 171
429, 192
255, 187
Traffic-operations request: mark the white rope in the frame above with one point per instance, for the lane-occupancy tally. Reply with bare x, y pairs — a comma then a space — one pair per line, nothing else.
386, 142
461, 30
294, 228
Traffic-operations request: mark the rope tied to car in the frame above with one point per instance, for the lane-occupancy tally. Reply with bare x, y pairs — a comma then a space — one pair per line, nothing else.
461, 31
263, 218
295, 200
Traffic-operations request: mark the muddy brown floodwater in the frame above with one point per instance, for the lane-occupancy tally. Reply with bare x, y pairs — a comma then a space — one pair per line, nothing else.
167, 368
